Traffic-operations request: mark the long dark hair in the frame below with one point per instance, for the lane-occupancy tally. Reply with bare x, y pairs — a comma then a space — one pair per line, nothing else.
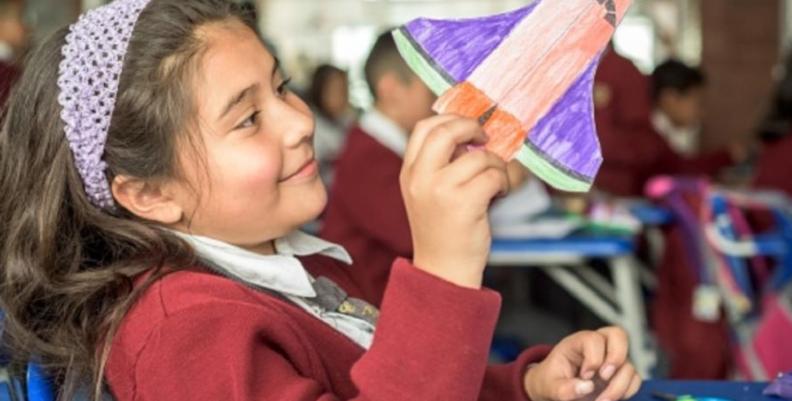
68, 268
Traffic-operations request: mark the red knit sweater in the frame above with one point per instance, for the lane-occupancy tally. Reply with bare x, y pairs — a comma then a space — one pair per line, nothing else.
197, 336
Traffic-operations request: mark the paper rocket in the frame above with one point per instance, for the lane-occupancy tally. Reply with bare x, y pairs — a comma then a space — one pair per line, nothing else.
527, 76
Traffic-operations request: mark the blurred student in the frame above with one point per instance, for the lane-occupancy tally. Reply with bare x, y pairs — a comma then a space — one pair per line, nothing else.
633, 151
329, 99
365, 212
678, 96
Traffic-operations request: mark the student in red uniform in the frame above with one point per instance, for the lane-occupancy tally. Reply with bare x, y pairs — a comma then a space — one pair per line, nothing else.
366, 212
678, 99
13, 39
633, 151
150, 238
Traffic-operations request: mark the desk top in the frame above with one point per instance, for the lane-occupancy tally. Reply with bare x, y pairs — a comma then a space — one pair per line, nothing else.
733, 391
650, 214
585, 245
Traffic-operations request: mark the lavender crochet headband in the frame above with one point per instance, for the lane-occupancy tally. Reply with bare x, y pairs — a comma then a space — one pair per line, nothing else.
93, 58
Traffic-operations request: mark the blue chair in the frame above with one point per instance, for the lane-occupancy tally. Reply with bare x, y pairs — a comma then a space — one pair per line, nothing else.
775, 244
39, 385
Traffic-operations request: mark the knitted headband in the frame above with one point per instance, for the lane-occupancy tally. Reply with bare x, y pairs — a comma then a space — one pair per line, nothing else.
93, 58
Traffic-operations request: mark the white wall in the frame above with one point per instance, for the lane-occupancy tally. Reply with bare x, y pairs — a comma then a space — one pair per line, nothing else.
786, 25
308, 32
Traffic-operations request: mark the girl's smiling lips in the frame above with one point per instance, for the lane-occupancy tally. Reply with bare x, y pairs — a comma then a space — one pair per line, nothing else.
308, 169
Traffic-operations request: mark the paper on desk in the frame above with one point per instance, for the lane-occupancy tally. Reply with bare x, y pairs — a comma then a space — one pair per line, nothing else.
521, 205
544, 227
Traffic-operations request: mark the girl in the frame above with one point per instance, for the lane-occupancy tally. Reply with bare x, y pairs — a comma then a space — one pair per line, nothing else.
328, 97
155, 168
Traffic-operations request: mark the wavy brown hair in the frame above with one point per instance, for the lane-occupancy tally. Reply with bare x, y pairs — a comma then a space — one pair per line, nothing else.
67, 267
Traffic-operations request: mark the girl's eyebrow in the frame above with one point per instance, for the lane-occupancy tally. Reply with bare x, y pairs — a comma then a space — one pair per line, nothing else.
238, 98
247, 92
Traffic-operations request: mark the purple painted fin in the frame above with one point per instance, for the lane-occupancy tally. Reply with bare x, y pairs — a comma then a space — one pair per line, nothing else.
446, 52
563, 148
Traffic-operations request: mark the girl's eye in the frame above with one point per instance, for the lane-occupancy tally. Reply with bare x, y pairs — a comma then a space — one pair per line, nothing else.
250, 121
283, 89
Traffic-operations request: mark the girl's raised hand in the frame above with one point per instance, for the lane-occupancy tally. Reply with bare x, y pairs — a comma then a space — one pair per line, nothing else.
447, 192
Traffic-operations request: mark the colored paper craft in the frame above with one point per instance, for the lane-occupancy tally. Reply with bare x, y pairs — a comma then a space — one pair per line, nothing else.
527, 76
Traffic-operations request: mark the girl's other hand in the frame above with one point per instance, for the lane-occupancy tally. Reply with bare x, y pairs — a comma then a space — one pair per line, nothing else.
589, 365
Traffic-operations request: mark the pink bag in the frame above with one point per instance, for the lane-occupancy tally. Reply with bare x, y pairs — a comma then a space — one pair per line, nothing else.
768, 352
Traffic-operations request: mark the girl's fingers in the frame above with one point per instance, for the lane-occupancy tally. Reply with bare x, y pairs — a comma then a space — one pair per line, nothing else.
592, 348
617, 347
487, 185
620, 384
469, 165
422, 129
571, 389
442, 141
635, 385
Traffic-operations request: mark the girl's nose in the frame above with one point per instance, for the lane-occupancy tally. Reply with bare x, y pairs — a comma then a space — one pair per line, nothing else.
298, 124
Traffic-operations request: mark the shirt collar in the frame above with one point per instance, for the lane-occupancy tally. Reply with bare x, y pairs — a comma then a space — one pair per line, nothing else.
385, 131
281, 272
681, 139
6, 52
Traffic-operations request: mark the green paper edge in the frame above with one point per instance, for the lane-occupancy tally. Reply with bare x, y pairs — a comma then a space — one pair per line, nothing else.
419, 65
549, 173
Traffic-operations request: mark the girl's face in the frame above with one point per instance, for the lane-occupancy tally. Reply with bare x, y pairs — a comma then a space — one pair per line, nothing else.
256, 179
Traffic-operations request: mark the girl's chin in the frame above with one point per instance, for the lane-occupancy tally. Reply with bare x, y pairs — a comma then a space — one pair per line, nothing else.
313, 205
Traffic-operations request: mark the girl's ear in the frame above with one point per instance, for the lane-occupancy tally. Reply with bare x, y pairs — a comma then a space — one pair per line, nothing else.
147, 199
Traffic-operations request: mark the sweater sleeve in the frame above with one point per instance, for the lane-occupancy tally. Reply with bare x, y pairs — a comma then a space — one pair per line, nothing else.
506, 382
431, 343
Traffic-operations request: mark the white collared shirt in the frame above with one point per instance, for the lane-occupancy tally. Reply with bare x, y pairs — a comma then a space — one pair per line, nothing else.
385, 131
683, 140
284, 273
6, 52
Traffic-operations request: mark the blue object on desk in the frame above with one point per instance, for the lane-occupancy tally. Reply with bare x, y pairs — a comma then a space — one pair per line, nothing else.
651, 215
733, 391
589, 246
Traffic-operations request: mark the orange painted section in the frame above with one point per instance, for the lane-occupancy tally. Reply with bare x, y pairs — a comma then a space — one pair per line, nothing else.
466, 100
532, 69
504, 130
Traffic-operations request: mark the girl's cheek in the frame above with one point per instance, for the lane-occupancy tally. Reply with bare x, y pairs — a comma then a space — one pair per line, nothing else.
261, 170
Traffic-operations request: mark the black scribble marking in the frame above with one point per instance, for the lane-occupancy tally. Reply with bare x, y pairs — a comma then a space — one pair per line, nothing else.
487, 115
610, 7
